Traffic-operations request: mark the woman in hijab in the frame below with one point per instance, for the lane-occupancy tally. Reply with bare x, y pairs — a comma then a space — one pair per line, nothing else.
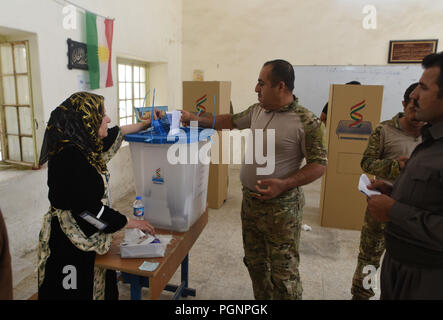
77, 145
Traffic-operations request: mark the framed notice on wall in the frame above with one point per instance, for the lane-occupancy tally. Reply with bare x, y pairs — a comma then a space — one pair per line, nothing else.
77, 55
410, 51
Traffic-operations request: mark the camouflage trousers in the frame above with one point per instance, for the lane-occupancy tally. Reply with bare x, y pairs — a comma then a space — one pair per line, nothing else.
271, 236
372, 246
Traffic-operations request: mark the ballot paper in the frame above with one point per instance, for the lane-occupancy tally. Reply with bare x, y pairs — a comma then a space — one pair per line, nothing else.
363, 186
133, 235
148, 266
175, 123
164, 238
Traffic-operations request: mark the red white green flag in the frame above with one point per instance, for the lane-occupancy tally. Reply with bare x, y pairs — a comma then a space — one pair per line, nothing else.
99, 33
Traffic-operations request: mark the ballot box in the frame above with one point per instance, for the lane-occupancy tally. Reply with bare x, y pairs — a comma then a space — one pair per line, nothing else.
170, 175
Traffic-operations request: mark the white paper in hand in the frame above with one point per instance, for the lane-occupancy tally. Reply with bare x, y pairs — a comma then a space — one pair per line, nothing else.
363, 186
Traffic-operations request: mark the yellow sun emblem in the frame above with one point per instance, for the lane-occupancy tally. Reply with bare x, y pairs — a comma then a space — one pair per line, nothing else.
103, 53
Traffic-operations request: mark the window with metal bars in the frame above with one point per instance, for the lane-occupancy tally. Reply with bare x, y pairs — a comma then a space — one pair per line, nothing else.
17, 124
132, 87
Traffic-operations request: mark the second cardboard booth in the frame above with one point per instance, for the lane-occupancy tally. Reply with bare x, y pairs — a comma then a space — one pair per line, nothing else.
198, 96
353, 113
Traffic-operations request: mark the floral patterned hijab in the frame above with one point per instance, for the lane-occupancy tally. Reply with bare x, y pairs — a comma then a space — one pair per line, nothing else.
76, 122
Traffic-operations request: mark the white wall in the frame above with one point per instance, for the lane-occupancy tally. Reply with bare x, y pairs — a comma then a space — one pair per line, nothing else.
148, 30
230, 39
158, 79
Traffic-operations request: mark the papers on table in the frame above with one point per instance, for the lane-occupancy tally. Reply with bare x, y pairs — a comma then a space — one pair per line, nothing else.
137, 244
148, 266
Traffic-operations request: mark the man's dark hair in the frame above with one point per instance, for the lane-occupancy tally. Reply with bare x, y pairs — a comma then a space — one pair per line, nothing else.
353, 82
408, 92
435, 60
282, 71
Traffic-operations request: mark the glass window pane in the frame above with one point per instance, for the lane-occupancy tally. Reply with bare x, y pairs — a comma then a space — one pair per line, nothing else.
136, 74
142, 90
123, 121
129, 120
14, 148
121, 72
128, 90
122, 109
142, 74
28, 149
11, 120
121, 91
23, 90
6, 56
136, 91
129, 107
9, 90
25, 120
21, 65
128, 73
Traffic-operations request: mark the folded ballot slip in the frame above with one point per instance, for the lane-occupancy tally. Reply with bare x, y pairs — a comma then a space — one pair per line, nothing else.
137, 244
363, 186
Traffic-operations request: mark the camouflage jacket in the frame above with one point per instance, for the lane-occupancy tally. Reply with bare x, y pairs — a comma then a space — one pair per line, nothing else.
386, 144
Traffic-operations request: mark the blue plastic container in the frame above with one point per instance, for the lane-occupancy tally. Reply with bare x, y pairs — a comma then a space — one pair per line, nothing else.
174, 194
186, 135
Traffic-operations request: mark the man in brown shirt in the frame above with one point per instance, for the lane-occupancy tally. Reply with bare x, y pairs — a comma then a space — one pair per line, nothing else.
413, 207
273, 200
5, 263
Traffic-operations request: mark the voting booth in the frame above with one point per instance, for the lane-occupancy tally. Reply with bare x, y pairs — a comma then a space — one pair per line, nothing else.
198, 97
353, 113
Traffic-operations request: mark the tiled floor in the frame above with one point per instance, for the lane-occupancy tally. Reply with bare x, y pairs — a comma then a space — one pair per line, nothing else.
327, 256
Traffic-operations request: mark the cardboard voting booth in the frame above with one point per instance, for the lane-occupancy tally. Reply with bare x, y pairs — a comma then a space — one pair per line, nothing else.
353, 113
198, 96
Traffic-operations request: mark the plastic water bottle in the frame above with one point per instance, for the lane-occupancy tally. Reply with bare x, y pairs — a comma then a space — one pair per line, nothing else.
139, 209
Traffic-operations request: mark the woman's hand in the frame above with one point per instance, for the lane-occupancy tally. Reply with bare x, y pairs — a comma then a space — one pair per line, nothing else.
143, 225
139, 126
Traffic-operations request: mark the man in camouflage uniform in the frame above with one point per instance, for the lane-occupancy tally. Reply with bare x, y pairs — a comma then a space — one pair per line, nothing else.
390, 145
272, 204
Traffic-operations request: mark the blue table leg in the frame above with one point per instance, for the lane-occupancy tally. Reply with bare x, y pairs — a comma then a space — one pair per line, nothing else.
185, 275
137, 282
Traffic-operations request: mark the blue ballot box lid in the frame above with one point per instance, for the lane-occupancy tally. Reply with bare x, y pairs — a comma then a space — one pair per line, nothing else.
185, 135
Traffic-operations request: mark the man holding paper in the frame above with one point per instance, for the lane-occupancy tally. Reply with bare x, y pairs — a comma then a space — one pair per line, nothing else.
413, 264
389, 146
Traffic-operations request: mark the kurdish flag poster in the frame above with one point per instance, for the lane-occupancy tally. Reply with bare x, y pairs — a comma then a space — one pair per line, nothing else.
99, 33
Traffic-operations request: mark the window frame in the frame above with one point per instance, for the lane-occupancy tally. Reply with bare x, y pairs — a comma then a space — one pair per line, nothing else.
133, 63
3, 124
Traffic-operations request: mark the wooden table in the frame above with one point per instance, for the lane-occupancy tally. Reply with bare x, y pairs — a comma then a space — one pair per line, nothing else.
157, 280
